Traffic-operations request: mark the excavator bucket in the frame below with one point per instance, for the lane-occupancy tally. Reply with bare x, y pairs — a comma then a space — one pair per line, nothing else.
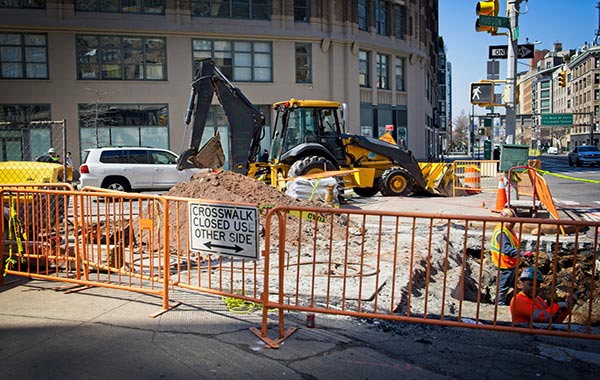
211, 155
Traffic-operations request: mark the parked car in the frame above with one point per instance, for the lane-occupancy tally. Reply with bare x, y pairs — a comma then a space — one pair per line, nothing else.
127, 169
584, 155
553, 150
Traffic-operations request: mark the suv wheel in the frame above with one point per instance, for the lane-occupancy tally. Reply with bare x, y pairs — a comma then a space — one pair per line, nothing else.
119, 184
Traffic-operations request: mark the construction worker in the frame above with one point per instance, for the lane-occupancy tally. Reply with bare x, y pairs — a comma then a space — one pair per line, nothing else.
51, 157
504, 248
523, 305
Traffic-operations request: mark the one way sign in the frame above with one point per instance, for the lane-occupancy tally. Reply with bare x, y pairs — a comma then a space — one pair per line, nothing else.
501, 51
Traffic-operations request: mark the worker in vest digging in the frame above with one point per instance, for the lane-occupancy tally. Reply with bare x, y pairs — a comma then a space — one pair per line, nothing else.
528, 301
505, 250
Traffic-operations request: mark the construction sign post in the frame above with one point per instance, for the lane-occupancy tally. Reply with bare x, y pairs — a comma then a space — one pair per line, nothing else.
224, 229
482, 93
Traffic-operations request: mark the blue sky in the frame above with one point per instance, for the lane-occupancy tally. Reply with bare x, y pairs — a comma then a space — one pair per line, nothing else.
572, 22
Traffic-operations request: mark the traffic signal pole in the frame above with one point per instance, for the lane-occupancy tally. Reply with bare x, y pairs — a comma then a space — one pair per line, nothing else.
511, 71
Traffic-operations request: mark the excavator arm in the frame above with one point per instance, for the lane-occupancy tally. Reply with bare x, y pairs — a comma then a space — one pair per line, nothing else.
246, 123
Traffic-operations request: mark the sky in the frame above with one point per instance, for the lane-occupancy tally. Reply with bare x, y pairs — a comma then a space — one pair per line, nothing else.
572, 22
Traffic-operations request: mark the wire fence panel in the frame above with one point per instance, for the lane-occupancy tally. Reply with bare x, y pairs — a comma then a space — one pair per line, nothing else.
21, 144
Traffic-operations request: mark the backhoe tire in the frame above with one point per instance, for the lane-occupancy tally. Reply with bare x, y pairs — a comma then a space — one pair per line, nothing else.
396, 182
310, 165
366, 192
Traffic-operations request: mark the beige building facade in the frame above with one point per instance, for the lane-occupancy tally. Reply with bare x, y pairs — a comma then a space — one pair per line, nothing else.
120, 74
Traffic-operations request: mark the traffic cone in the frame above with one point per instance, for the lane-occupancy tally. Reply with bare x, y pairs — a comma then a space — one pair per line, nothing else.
501, 197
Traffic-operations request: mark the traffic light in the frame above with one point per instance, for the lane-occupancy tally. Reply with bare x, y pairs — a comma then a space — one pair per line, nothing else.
482, 93
486, 8
562, 79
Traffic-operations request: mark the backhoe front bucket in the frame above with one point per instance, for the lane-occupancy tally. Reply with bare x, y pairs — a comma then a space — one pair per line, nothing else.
211, 155
439, 177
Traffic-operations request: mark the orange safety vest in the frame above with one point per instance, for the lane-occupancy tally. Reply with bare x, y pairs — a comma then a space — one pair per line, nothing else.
521, 308
500, 259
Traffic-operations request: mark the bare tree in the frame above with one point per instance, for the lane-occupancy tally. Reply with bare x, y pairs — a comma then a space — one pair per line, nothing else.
94, 115
460, 132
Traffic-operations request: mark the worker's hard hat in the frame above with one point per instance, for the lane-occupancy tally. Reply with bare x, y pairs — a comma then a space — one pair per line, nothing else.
51, 150
530, 273
509, 213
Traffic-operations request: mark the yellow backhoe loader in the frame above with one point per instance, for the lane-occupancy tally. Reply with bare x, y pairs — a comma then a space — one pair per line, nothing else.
308, 137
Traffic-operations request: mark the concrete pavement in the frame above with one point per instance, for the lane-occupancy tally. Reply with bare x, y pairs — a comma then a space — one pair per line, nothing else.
102, 333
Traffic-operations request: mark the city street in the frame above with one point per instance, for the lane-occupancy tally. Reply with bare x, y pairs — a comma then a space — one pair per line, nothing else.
584, 199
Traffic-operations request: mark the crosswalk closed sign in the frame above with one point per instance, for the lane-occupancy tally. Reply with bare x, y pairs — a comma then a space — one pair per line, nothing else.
224, 229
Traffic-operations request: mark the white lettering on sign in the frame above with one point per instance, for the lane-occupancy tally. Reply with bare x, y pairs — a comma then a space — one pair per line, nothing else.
224, 229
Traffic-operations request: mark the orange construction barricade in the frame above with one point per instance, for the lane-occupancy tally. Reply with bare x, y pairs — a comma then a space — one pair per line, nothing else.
472, 179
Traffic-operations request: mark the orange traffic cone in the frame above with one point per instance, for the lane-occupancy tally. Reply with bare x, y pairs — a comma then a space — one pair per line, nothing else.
501, 197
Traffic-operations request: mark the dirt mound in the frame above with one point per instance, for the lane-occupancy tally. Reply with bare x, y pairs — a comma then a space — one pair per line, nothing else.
228, 186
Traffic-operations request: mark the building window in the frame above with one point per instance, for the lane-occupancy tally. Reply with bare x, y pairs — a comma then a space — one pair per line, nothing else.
302, 10
303, 63
363, 14
124, 6
363, 69
19, 140
382, 71
596, 94
381, 17
244, 9
31, 4
399, 15
23, 56
121, 58
103, 124
241, 61
400, 86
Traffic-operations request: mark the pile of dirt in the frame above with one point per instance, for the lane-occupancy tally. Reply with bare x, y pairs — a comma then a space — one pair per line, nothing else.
228, 186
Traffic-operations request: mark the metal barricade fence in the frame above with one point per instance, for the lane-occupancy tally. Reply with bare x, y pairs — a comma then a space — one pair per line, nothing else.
411, 267
476, 175
87, 238
226, 276
421, 268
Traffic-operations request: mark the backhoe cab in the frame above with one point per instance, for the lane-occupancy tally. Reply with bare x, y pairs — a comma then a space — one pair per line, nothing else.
308, 138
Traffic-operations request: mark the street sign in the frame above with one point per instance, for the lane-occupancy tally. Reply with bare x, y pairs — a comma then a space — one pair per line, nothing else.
497, 22
223, 229
482, 93
501, 51
557, 119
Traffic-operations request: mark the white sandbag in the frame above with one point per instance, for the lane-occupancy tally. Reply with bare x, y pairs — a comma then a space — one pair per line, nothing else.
312, 189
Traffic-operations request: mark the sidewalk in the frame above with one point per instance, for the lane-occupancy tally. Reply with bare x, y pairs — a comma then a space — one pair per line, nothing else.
107, 334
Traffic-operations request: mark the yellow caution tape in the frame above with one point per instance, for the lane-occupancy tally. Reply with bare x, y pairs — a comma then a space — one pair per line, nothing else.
544, 172
308, 215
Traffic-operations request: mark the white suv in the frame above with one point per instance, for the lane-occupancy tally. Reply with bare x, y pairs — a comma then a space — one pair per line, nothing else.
127, 169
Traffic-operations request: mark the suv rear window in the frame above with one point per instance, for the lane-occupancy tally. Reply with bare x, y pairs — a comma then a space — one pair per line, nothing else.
124, 157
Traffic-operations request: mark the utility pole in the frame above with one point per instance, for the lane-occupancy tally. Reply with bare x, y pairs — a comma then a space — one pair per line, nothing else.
511, 72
